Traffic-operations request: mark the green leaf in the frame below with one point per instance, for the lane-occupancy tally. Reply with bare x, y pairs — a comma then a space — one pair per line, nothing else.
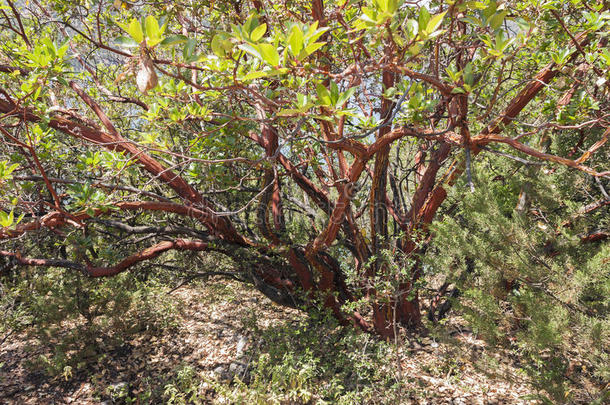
384, 5
254, 51
288, 112
151, 26
412, 28
189, 47
304, 102
311, 48
497, 19
258, 32
423, 19
489, 10
323, 94
390, 93
255, 75
135, 30
63, 49
6, 220
5, 171
37, 93
217, 46
162, 25
468, 76
126, 42
435, 22
313, 33
312, 29
323, 117
334, 93
250, 25
367, 19
277, 72
501, 42
269, 54
345, 96
561, 56
415, 48
295, 40
455, 76
174, 40
458, 90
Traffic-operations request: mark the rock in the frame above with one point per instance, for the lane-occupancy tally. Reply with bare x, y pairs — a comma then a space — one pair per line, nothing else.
119, 390
221, 374
238, 369
119, 386
426, 341
241, 346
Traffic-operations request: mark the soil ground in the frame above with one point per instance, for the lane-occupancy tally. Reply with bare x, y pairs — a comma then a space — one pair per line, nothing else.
215, 330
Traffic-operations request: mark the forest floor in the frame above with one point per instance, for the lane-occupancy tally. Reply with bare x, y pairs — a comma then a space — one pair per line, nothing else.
224, 330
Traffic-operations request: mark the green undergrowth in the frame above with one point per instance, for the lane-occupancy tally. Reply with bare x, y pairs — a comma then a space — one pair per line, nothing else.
77, 321
315, 361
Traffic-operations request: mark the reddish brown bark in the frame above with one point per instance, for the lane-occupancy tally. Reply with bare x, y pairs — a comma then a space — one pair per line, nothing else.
483, 140
378, 211
595, 236
57, 219
92, 271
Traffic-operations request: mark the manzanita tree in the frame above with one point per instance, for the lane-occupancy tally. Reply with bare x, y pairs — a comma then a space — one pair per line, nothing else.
312, 142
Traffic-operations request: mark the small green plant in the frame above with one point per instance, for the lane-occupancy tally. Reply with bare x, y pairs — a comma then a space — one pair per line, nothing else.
184, 388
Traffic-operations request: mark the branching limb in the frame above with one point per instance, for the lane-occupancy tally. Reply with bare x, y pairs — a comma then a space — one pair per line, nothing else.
92, 271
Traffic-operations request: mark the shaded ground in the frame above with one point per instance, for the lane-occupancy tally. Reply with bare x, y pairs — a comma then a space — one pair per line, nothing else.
224, 328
